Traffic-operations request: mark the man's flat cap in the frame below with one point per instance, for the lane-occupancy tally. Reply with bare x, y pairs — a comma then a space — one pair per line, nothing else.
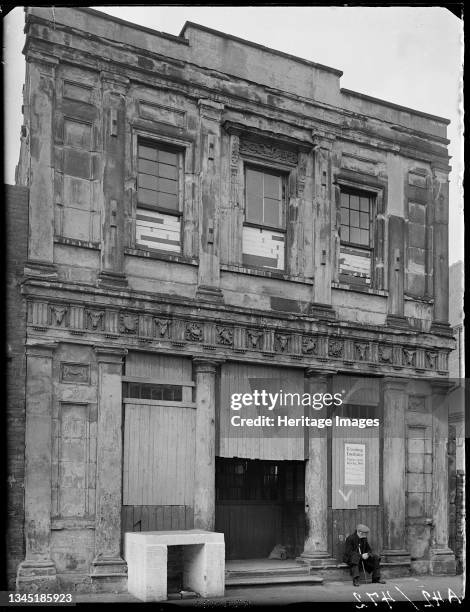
363, 528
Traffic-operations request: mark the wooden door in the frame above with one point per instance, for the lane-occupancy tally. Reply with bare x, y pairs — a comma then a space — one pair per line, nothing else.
159, 443
355, 460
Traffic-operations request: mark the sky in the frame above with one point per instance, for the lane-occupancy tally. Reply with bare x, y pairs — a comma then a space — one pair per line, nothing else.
411, 56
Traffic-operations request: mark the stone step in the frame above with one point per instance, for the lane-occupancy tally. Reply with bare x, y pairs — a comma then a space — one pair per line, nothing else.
280, 571
272, 579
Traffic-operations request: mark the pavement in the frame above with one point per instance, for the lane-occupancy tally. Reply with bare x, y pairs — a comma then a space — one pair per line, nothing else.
413, 593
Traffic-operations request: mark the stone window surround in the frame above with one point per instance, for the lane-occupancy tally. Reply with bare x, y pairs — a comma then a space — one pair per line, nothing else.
378, 252
185, 148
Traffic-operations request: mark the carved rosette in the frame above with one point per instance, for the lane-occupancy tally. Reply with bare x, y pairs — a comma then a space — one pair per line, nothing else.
335, 348
224, 335
194, 332
128, 323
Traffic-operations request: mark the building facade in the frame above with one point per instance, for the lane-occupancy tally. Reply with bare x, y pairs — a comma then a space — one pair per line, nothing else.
208, 216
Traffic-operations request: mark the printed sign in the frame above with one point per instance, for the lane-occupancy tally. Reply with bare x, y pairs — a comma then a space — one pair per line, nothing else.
354, 464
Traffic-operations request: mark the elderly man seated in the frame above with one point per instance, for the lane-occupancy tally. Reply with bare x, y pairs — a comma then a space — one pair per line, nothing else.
358, 554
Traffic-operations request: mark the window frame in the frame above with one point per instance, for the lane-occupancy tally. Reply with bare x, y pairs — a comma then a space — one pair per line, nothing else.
179, 149
375, 195
283, 172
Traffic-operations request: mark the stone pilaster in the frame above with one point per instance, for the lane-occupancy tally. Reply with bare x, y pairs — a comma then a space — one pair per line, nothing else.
396, 272
204, 476
315, 551
323, 199
210, 193
37, 573
114, 89
442, 559
440, 194
108, 569
40, 83
394, 500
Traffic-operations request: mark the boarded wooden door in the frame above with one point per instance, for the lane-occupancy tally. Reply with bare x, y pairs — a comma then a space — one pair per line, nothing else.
159, 443
356, 465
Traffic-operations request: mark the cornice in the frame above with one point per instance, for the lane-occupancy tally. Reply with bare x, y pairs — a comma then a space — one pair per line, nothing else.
228, 99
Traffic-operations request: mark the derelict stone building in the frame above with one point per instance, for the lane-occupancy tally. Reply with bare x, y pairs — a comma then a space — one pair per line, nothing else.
204, 214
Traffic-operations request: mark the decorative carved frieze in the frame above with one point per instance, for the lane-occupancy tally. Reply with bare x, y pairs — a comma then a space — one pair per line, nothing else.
128, 323
95, 320
409, 357
58, 313
214, 334
162, 327
335, 348
361, 350
301, 175
309, 345
224, 336
254, 338
74, 373
268, 151
430, 359
194, 332
281, 343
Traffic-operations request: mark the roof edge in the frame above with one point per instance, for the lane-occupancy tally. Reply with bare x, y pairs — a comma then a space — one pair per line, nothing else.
192, 24
362, 96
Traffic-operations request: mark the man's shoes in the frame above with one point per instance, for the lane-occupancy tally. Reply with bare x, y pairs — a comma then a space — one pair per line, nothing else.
379, 581
356, 582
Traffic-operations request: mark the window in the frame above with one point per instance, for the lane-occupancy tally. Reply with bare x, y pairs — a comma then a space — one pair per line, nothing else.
264, 233
159, 197
173, 393
356, 251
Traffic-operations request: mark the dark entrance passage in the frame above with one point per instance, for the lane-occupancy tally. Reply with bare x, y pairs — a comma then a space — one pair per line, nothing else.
260, 504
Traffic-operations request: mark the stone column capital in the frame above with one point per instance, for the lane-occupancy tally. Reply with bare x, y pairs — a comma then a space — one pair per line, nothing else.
116, 80
109, 354
40, 349
441, 386
206, 364
395, 383
210, 109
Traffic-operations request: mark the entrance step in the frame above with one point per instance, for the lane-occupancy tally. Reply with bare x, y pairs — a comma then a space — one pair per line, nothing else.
265, 572
273, 579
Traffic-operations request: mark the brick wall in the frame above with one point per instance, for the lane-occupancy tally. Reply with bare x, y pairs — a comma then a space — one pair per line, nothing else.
16, 235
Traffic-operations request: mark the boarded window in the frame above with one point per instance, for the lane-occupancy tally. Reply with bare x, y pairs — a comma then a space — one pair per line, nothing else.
138, 390
158, 216
156, 230
264, 235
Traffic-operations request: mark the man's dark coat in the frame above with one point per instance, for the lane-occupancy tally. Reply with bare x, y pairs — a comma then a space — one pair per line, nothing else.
354, 547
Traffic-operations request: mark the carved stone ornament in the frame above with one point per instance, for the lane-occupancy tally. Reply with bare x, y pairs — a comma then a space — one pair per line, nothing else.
408, 357
301, 176
261, 149
335, 348
163, 327
430, 359
281, 342
224, 336
95, 319
309, 345
193, 332
385, 354
253, 336
360, 349
58, 313
75, 372
128, 323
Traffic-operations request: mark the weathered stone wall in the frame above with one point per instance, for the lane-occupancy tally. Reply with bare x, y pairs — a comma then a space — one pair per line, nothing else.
16, 204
